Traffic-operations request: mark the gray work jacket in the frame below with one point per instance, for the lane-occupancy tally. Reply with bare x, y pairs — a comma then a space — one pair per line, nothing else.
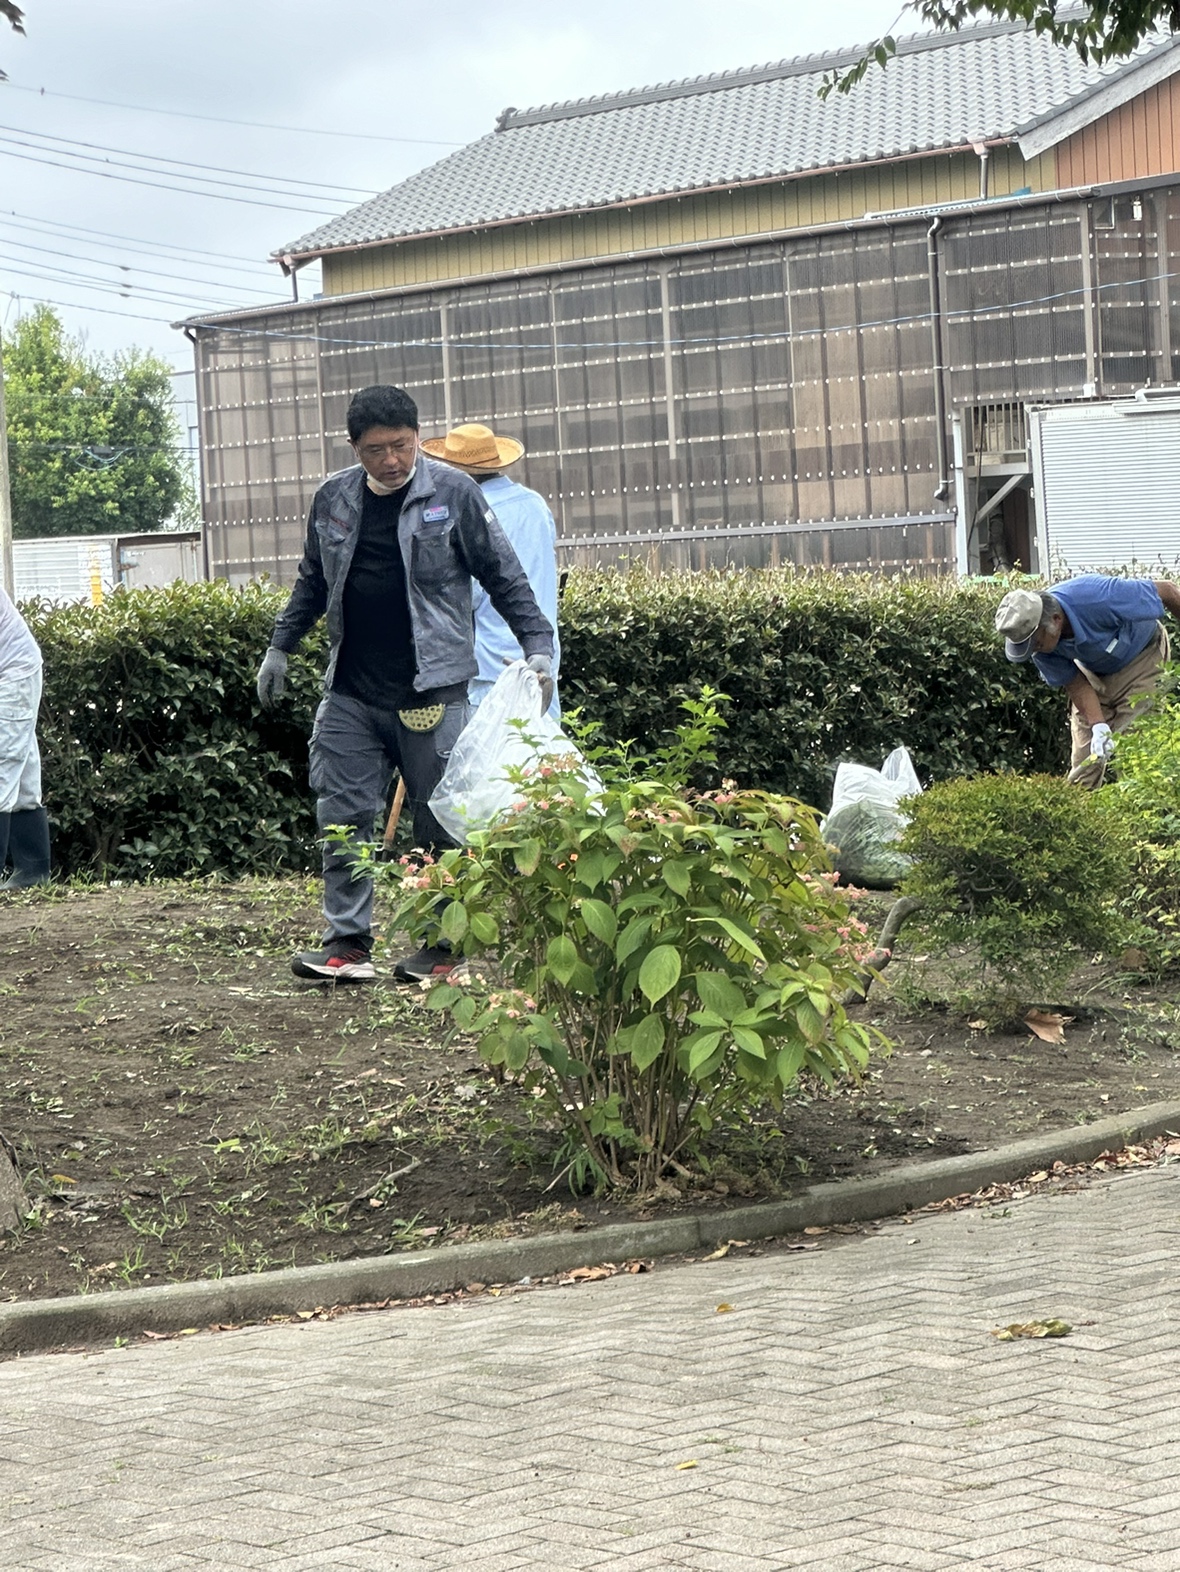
448, 536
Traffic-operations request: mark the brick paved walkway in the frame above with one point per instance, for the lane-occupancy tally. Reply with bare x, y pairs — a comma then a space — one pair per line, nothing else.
851, 1412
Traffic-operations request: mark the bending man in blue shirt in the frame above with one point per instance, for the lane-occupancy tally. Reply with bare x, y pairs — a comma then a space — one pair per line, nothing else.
526, 520
1101, 639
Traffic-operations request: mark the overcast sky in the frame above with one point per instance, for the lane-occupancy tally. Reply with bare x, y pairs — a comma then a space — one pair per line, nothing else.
344, 100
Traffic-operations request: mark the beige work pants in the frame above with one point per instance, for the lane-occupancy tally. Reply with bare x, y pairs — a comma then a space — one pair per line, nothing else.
1117, 694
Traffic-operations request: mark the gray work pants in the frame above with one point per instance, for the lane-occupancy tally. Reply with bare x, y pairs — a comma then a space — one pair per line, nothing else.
355, 749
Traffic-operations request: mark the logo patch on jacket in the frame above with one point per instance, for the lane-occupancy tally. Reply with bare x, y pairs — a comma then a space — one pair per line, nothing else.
435, 515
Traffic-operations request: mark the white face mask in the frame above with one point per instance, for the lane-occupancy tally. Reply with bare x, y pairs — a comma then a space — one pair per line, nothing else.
379, 490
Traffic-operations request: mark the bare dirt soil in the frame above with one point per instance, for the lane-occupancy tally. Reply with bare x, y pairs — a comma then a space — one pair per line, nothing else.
182, 1107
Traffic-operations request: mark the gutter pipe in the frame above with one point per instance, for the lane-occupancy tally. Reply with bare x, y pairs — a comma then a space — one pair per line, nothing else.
943, 490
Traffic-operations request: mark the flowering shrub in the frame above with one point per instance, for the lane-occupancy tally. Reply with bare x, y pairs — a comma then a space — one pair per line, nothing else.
663, 957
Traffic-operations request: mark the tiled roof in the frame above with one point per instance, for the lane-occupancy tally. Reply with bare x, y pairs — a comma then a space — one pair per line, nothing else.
942, 91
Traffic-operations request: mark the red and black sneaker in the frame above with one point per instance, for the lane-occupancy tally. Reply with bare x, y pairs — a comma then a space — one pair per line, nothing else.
432, 960
342, 961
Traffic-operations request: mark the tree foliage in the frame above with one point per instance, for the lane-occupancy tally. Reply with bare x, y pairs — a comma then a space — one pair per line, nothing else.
16, 19
93, 441
1101, 30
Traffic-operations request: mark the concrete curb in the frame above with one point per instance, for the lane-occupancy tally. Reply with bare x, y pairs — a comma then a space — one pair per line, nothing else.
45, 1324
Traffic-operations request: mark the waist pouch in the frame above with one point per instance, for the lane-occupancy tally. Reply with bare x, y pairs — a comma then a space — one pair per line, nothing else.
424, 719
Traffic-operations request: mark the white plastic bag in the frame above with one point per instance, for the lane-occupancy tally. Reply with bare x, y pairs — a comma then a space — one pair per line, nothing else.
864, 822
475, 788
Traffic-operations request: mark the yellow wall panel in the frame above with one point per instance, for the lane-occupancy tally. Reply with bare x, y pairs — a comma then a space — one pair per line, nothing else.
714, 215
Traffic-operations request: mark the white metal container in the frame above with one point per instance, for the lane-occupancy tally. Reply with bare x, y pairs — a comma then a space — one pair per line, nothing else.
1106, 479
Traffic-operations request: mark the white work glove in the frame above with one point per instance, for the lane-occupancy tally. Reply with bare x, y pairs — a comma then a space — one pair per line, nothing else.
543, 667
272, 677
1101, 741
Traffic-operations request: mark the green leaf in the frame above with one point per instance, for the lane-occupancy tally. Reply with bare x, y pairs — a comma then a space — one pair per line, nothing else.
660, 972
562, 957
599, 919
702, 1051
454, 921
647, 1041
528, 856
717, 993
516, 1051
584, 980
632, 936
809, 1020
442, 996
485, 927
744, 940
677, 876
708, 1018
464, 1011
588, 869
788, 1062
749, 1040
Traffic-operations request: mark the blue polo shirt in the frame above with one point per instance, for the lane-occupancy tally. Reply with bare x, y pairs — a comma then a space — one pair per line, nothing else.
1112, 621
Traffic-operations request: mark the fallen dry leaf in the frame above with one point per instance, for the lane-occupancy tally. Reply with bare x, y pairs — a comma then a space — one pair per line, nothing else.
815, 1230
724, 1309
800, 1245
718, 1254
1046, 1025
690, 1462
1052, 1328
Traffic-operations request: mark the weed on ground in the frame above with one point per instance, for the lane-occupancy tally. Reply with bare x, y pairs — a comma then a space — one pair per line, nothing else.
182, 1107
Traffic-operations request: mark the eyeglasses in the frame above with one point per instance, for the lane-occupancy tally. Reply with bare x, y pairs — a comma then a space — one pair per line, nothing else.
376, 450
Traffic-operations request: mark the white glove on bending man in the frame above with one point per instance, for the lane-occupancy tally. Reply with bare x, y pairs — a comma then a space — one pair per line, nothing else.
1101, 741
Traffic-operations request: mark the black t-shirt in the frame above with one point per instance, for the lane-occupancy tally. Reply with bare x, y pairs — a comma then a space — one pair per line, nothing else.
376, 663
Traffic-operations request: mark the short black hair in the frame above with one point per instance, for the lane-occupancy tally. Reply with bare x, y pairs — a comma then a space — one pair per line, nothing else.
381, 405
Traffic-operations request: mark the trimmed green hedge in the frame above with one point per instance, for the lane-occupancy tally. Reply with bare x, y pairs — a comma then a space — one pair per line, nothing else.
819, 668
159, 761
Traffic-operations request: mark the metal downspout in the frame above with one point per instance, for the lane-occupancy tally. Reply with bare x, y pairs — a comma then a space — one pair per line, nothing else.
205, 566
943, 490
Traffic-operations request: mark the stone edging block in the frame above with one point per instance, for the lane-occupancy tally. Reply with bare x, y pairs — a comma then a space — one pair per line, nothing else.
41, 1325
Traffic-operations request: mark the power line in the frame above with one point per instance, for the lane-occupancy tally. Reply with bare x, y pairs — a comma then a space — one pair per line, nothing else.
222, 120
55, 226
68, 142
106, 311
62, 275
156, 185
186, 278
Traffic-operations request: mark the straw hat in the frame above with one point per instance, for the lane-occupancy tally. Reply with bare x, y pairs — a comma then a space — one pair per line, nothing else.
474, 448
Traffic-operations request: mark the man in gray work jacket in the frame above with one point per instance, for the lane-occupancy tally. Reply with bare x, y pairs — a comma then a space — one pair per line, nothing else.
392, 547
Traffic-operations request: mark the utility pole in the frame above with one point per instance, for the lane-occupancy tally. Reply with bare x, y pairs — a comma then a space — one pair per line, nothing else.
6, 573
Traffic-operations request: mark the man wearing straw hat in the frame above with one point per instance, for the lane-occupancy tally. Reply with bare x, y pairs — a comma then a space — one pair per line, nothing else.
526, 520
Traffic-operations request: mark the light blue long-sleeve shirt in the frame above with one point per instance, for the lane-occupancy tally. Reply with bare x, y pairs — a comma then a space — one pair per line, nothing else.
525, 518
